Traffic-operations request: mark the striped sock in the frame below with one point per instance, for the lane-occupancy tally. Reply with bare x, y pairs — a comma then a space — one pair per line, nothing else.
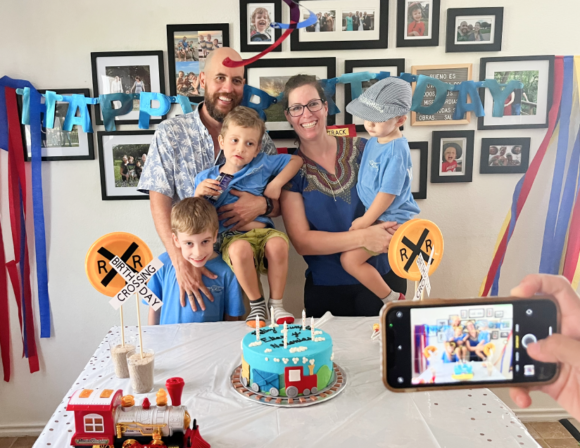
257, 308
281, 314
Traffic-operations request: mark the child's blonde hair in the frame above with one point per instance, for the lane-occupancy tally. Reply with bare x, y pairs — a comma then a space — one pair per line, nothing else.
245, 118
260, 10
193, 216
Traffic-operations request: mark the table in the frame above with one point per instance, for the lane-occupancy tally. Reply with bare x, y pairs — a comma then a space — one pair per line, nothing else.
445, 372
365, 414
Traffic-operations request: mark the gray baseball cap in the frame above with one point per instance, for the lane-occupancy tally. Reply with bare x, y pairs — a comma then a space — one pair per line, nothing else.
388, 98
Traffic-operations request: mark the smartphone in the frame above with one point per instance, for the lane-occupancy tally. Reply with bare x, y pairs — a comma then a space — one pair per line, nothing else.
466, 343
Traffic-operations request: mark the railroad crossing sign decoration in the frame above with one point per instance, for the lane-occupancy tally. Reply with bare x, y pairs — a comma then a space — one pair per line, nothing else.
417, 237
119, 265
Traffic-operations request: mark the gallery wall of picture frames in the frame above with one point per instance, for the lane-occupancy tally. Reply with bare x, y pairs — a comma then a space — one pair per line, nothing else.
340, 25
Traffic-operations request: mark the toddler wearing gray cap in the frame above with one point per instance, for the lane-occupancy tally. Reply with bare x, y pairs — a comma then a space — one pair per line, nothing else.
385, 174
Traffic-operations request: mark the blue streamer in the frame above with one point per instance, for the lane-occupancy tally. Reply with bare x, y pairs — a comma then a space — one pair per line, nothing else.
550, 258
38, 209
21, 266
265, 100
311, 20
146, 111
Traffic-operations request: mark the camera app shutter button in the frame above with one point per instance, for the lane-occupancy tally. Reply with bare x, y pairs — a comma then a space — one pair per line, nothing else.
528, 339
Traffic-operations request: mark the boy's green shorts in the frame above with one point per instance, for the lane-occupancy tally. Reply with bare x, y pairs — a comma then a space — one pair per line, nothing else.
257, 239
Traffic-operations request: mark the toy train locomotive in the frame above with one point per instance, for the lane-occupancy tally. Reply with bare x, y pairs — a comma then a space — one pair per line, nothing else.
107, 419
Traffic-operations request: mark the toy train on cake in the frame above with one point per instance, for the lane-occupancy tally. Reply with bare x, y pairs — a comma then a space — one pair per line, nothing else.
107, 419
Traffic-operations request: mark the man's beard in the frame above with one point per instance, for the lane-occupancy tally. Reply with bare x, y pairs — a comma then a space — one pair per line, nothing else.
213, 111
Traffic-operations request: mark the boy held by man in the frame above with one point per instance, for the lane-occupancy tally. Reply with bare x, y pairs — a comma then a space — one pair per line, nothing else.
194, 224
384, 177
256, 246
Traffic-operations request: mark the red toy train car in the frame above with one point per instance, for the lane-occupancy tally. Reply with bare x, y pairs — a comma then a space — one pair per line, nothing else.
107, 419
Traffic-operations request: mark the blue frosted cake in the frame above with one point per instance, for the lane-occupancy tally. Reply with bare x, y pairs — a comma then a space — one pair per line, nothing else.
302, 368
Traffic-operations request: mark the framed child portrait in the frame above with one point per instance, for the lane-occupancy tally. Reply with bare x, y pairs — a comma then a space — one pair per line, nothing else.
271, 75
525, 108
504, 155
418, 23
474, 29
256, 31
129, 72
122, 156
342, 25
394, 66
56, 143
452, 156
187, 49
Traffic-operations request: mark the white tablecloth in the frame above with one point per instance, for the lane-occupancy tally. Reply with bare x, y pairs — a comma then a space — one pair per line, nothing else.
364, 415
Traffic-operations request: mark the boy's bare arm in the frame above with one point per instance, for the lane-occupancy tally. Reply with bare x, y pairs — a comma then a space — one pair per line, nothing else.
153, 318
381, 202
275, 186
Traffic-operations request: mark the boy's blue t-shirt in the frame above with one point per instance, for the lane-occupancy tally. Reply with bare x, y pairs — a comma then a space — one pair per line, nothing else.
225, 289
447, 359
387, 168
253, 178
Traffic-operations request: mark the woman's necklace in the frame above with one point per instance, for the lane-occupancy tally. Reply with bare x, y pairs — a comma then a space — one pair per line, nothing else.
328, 182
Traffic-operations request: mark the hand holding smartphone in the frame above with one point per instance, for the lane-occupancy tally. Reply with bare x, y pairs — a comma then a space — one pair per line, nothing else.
450, 344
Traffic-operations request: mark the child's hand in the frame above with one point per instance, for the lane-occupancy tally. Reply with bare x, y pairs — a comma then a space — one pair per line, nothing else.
358, 224
208, 187
272, 191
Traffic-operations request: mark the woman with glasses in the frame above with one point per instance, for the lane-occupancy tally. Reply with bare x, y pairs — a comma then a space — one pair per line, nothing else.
320, 204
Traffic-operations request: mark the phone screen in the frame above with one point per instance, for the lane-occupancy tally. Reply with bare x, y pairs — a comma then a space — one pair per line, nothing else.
456, 343
463, 342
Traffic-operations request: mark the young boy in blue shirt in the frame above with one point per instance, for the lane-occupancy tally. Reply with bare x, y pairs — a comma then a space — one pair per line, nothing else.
257, 245
384, 177
194, 224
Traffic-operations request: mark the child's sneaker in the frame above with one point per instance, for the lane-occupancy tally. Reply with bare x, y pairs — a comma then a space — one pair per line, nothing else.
280, 313
257, 309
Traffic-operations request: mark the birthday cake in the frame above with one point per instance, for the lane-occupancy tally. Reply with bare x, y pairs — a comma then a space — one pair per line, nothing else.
462, 372
304, 367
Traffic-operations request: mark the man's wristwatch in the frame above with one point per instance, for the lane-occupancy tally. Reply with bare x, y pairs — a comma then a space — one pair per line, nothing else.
269, 206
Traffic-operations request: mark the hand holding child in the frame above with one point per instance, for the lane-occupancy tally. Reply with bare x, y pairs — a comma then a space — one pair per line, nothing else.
208, 187
273, 191
359, 224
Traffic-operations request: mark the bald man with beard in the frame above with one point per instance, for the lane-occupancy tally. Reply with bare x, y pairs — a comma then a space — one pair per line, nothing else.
185, 145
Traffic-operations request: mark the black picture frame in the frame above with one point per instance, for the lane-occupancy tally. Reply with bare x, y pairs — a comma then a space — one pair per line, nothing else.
451, 139
451, 43
544, 64
328, 65
123, 137
246, 47
351, 65
159, 85
224, 28
510, 154
85, 137
422, 147
434, 20
338, 44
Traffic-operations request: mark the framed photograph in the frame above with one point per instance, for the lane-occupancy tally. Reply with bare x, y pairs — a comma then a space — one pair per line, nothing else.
504, 334
342, 25
256, 34
418, 23
419, 161
128, 72
122, 155
187, 50
452, 157
271, 76
494, 334
58, 144
504, 155
450, 73
394, 66
474, 29
525, 108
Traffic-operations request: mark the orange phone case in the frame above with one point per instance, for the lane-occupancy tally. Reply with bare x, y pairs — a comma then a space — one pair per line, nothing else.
455, 302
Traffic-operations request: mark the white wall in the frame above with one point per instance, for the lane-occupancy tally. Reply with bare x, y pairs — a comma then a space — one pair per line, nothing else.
49, 43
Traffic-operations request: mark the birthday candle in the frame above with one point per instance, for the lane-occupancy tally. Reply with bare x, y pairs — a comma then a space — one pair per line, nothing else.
312, 328
257, 328
272, 317
285, 335
303, 320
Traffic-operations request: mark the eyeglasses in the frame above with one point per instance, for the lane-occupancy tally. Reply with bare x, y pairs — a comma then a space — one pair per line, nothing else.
297, 110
